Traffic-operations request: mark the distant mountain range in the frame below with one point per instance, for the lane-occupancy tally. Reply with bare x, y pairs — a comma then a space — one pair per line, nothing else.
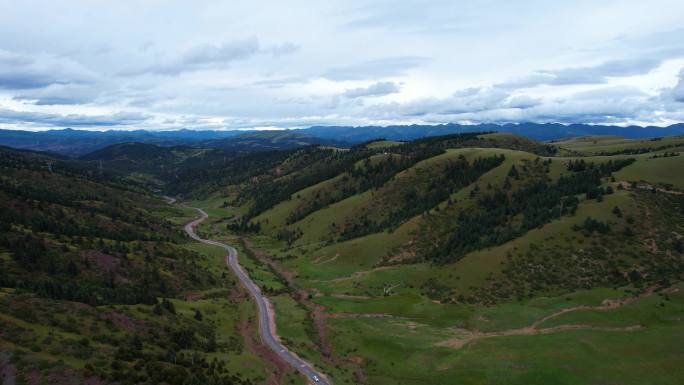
542, 132
76, 143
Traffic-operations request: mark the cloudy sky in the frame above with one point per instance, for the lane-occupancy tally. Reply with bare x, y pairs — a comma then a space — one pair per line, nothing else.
163, 64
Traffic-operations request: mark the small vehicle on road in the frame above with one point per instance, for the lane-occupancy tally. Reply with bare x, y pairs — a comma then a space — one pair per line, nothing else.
315, 378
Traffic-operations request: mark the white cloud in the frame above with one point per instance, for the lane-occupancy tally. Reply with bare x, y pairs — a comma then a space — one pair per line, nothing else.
42, 119
239, 64
586, 75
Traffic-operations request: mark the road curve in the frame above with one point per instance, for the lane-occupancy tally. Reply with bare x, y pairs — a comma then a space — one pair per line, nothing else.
266, 318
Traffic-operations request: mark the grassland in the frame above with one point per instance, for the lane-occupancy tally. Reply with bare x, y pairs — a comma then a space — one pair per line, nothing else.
588, 295
383, 144
593, 145
658, 171
385, 325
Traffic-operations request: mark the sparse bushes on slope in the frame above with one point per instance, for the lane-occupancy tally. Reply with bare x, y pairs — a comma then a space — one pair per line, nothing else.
400, 205
494, 220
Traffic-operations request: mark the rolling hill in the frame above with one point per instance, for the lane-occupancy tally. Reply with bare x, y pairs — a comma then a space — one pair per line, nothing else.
470, 258
75, 143
98, 285
451, 249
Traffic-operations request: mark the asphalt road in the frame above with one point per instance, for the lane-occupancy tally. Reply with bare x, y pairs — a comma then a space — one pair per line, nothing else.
265, 316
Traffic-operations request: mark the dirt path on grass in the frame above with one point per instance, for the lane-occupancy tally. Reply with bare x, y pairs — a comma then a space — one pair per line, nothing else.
349, 296
465, 336
360, 274
359, 315
607, 304
320, 261
648, 187
469, 336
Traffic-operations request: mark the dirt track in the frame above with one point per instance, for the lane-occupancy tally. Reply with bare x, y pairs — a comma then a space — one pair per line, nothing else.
465, 336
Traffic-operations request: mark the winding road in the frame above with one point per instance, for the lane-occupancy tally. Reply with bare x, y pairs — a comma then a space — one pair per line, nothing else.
266, 316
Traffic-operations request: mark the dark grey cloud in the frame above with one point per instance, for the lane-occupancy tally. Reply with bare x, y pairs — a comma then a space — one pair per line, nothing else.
204, 56
495, 105
222, 53
59, 94
213, 56
464, 101
21, 71
678, 90
375, 89
599, 73
280, 81
71, 120
375, 69
522, 101
595, 110
585, 75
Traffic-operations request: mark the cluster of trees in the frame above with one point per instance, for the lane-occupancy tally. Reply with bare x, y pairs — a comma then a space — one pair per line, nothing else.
415, 200
288, 235
493, 220
172, 348
265, 179
306, 167
301, 168
69, 204
603, 168
665, 155
372, 173
638, 150
213, 169
651, 255
591, 225
311, 165
73, 238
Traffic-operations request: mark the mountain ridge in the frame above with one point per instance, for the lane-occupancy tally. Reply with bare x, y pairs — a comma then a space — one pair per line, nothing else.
63, 142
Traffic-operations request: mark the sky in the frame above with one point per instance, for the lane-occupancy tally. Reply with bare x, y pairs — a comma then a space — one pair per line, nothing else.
165, 64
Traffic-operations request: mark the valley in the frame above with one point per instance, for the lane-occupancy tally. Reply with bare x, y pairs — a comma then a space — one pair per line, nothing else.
342, 192
475, 258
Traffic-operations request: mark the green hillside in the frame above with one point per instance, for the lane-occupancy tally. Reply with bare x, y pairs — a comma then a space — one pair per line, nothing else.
99, 285
479, 258
615, 145
470, 253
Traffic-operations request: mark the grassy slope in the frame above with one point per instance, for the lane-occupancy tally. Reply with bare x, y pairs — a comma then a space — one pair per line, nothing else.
656, 171
344, 258
54, 336
596, 144
660, 171
400, 347
274, 219
318, 226
383, 144
473, 270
